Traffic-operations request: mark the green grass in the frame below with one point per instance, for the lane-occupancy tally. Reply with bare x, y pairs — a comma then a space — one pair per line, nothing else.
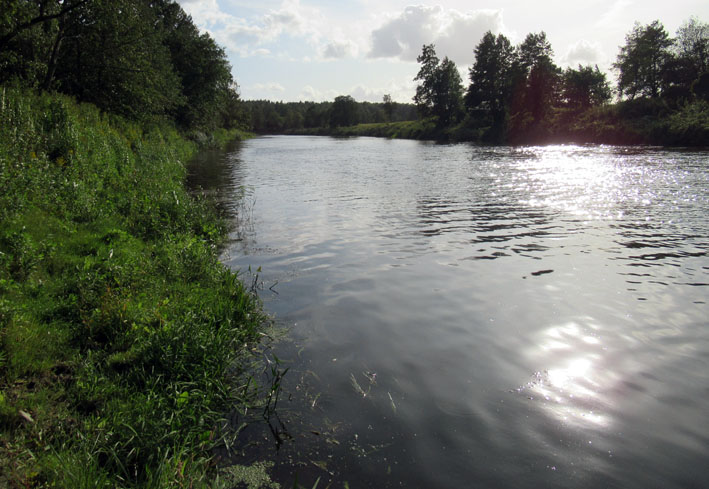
119, 328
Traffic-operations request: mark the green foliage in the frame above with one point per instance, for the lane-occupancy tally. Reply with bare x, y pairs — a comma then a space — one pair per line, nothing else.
117, 322
143, 60
687, 63
585, 87
118, 61
700, 87
203, 71
692, 45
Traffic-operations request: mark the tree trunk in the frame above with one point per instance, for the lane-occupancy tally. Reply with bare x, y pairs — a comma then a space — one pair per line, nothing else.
52, 62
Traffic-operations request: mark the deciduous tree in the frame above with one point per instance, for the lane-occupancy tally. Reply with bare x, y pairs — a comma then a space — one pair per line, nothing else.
440, 91
585, 87
642, 59
343, 112
535, 80
448, 93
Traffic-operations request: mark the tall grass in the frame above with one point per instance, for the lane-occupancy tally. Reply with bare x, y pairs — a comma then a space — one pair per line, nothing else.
118, 325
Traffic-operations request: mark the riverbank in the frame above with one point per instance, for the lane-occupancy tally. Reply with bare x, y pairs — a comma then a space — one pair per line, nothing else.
119, 328
644, 122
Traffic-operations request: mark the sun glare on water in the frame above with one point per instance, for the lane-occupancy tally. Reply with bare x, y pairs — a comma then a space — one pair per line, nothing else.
571, 390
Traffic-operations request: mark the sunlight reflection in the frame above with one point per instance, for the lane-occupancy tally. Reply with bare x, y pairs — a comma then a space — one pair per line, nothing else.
572, 388
593, 189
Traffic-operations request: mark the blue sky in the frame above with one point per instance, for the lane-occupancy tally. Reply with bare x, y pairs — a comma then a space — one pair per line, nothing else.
294, 50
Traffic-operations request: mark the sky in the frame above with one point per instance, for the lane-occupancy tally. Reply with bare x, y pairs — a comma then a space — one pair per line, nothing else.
293, 50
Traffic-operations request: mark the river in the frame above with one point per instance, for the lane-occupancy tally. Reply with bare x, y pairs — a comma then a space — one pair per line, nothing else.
466, 316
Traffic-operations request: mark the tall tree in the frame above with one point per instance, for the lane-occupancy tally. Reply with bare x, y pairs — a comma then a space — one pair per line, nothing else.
200, 64
448, 93
534, 50
490, 77
139, 58
388, 106
642, 59
425, 90
30, 34
114, 56
440, 91
535, 78
689, 59
344, 111
19, 15
692, 44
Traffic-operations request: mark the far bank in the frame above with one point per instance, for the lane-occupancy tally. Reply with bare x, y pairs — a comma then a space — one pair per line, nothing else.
633, 122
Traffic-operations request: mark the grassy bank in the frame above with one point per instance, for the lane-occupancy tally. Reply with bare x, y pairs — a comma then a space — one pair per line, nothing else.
642, 121
420, 129
119, 328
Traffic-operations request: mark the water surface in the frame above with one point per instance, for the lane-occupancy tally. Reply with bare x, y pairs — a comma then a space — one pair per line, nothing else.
464, 316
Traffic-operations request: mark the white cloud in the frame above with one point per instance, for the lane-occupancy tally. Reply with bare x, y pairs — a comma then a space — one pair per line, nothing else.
583, 52
340, 49
247, 36
272, 87
454, 33
399, 93
311, 94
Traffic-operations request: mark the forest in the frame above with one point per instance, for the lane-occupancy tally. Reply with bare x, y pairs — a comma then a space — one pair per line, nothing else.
266, 116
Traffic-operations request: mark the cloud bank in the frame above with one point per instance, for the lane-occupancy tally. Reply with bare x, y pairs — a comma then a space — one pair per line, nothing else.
454, 33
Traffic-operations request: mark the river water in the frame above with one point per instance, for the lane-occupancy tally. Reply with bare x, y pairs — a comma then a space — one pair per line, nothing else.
465, 316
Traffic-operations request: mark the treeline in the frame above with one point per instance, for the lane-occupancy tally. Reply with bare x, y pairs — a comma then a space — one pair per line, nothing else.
142, 59
268, 117
518, 93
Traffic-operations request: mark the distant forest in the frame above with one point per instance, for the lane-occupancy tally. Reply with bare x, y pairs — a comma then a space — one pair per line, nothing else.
278, 117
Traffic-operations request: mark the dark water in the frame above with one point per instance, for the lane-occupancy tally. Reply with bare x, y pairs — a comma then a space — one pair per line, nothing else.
465, 316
